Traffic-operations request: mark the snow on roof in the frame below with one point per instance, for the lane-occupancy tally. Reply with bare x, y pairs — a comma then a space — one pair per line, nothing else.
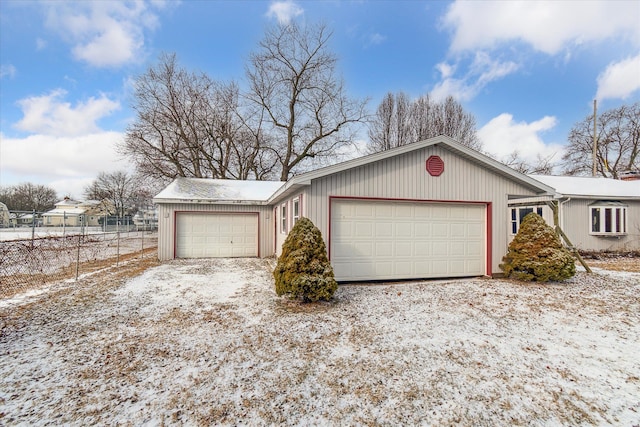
589, 186
63, 211
221, 190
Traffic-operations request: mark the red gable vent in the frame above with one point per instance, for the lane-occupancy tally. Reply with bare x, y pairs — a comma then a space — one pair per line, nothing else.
435, 166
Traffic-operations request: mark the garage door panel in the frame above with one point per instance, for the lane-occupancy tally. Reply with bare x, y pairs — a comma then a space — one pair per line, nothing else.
384, 268
458, 248
457, 212
403, 212
404, 249
422, 229
475, 249
440, 230
402, 268
384, 249
440, 267
475, 230
410, 240
440, 247
384, 229
216, 235
423, 249
383, 211
404, 229
364, 229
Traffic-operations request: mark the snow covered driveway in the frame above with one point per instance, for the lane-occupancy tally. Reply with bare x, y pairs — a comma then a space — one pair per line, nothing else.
204, 342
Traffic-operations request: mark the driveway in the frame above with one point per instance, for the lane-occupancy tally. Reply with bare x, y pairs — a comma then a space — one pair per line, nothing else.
204, 342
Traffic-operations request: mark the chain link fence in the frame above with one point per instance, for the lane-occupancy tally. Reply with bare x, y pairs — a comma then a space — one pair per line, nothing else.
29, 263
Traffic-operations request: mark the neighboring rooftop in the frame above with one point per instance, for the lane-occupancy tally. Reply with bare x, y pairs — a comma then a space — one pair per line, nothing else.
590, 186
218, 190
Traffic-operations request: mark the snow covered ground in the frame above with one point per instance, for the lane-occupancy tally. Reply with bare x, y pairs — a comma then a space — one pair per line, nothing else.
206, 342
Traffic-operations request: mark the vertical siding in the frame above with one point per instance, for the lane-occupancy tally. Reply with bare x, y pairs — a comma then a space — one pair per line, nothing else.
405, 177
305, 206
575, 223
166, 224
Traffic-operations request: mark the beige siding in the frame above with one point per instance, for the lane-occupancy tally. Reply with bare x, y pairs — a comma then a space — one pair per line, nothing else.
304, 208
166, 224
575, 223
405, 177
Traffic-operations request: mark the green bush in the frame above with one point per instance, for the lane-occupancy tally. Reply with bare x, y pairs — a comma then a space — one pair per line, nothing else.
536, 253
303, 269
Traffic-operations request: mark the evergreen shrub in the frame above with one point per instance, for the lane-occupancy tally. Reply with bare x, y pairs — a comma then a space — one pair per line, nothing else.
536, 253
303, 269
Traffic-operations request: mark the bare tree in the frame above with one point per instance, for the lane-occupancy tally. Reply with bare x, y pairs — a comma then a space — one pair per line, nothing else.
618, 135
392, 124
118, 189
292, 76
189, 125
543, 165
399, 121
28, 196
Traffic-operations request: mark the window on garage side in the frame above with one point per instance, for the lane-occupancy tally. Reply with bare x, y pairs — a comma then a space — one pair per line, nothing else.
283, 218
608, 218
518, 214
296, 210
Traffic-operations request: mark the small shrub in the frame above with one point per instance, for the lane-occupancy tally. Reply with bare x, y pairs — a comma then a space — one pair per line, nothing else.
536, 253
303, 269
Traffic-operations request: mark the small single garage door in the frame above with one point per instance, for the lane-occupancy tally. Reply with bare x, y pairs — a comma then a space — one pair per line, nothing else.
382, 240
216, 235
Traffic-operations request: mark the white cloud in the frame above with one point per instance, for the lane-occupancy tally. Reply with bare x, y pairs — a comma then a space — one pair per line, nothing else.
104, 33
67, 164
501, 136
7, 71
66, 148
41, 44
284, 11
482, 71
620, 79
548, 26
50, 115
375, 39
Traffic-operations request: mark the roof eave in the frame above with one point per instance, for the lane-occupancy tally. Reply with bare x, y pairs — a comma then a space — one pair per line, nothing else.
597, 197
209, 202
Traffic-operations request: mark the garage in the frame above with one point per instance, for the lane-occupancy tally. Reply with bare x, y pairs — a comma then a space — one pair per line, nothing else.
387, 240
216, 235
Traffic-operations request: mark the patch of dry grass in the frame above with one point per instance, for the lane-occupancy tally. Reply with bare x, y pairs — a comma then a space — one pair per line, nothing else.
477, 352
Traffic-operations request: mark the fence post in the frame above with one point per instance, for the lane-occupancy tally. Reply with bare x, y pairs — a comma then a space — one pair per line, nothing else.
144, 227
118, 250
33, 227
78, 258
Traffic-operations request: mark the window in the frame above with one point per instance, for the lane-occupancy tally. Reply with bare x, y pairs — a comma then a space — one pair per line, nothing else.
518, 214
283, 218
608, 218
296, 210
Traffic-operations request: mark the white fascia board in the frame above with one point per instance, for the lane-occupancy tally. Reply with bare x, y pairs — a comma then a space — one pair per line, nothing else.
211, 202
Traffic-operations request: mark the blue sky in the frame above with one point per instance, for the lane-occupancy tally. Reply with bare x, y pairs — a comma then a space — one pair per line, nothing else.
527, 70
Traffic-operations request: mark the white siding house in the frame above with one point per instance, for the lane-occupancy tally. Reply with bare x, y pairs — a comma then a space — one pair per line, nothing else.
429, 209
596, 213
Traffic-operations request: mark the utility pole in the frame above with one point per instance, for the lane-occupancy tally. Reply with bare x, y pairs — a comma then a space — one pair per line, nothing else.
595, 139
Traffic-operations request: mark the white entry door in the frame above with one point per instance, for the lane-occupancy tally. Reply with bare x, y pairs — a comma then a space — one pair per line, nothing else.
216, 235
385, 240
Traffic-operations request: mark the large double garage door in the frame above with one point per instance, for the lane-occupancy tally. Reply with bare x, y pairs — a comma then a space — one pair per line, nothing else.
216, 235
383, 240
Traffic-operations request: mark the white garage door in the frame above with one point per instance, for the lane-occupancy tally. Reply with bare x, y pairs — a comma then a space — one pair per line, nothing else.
381, 240
207, 235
